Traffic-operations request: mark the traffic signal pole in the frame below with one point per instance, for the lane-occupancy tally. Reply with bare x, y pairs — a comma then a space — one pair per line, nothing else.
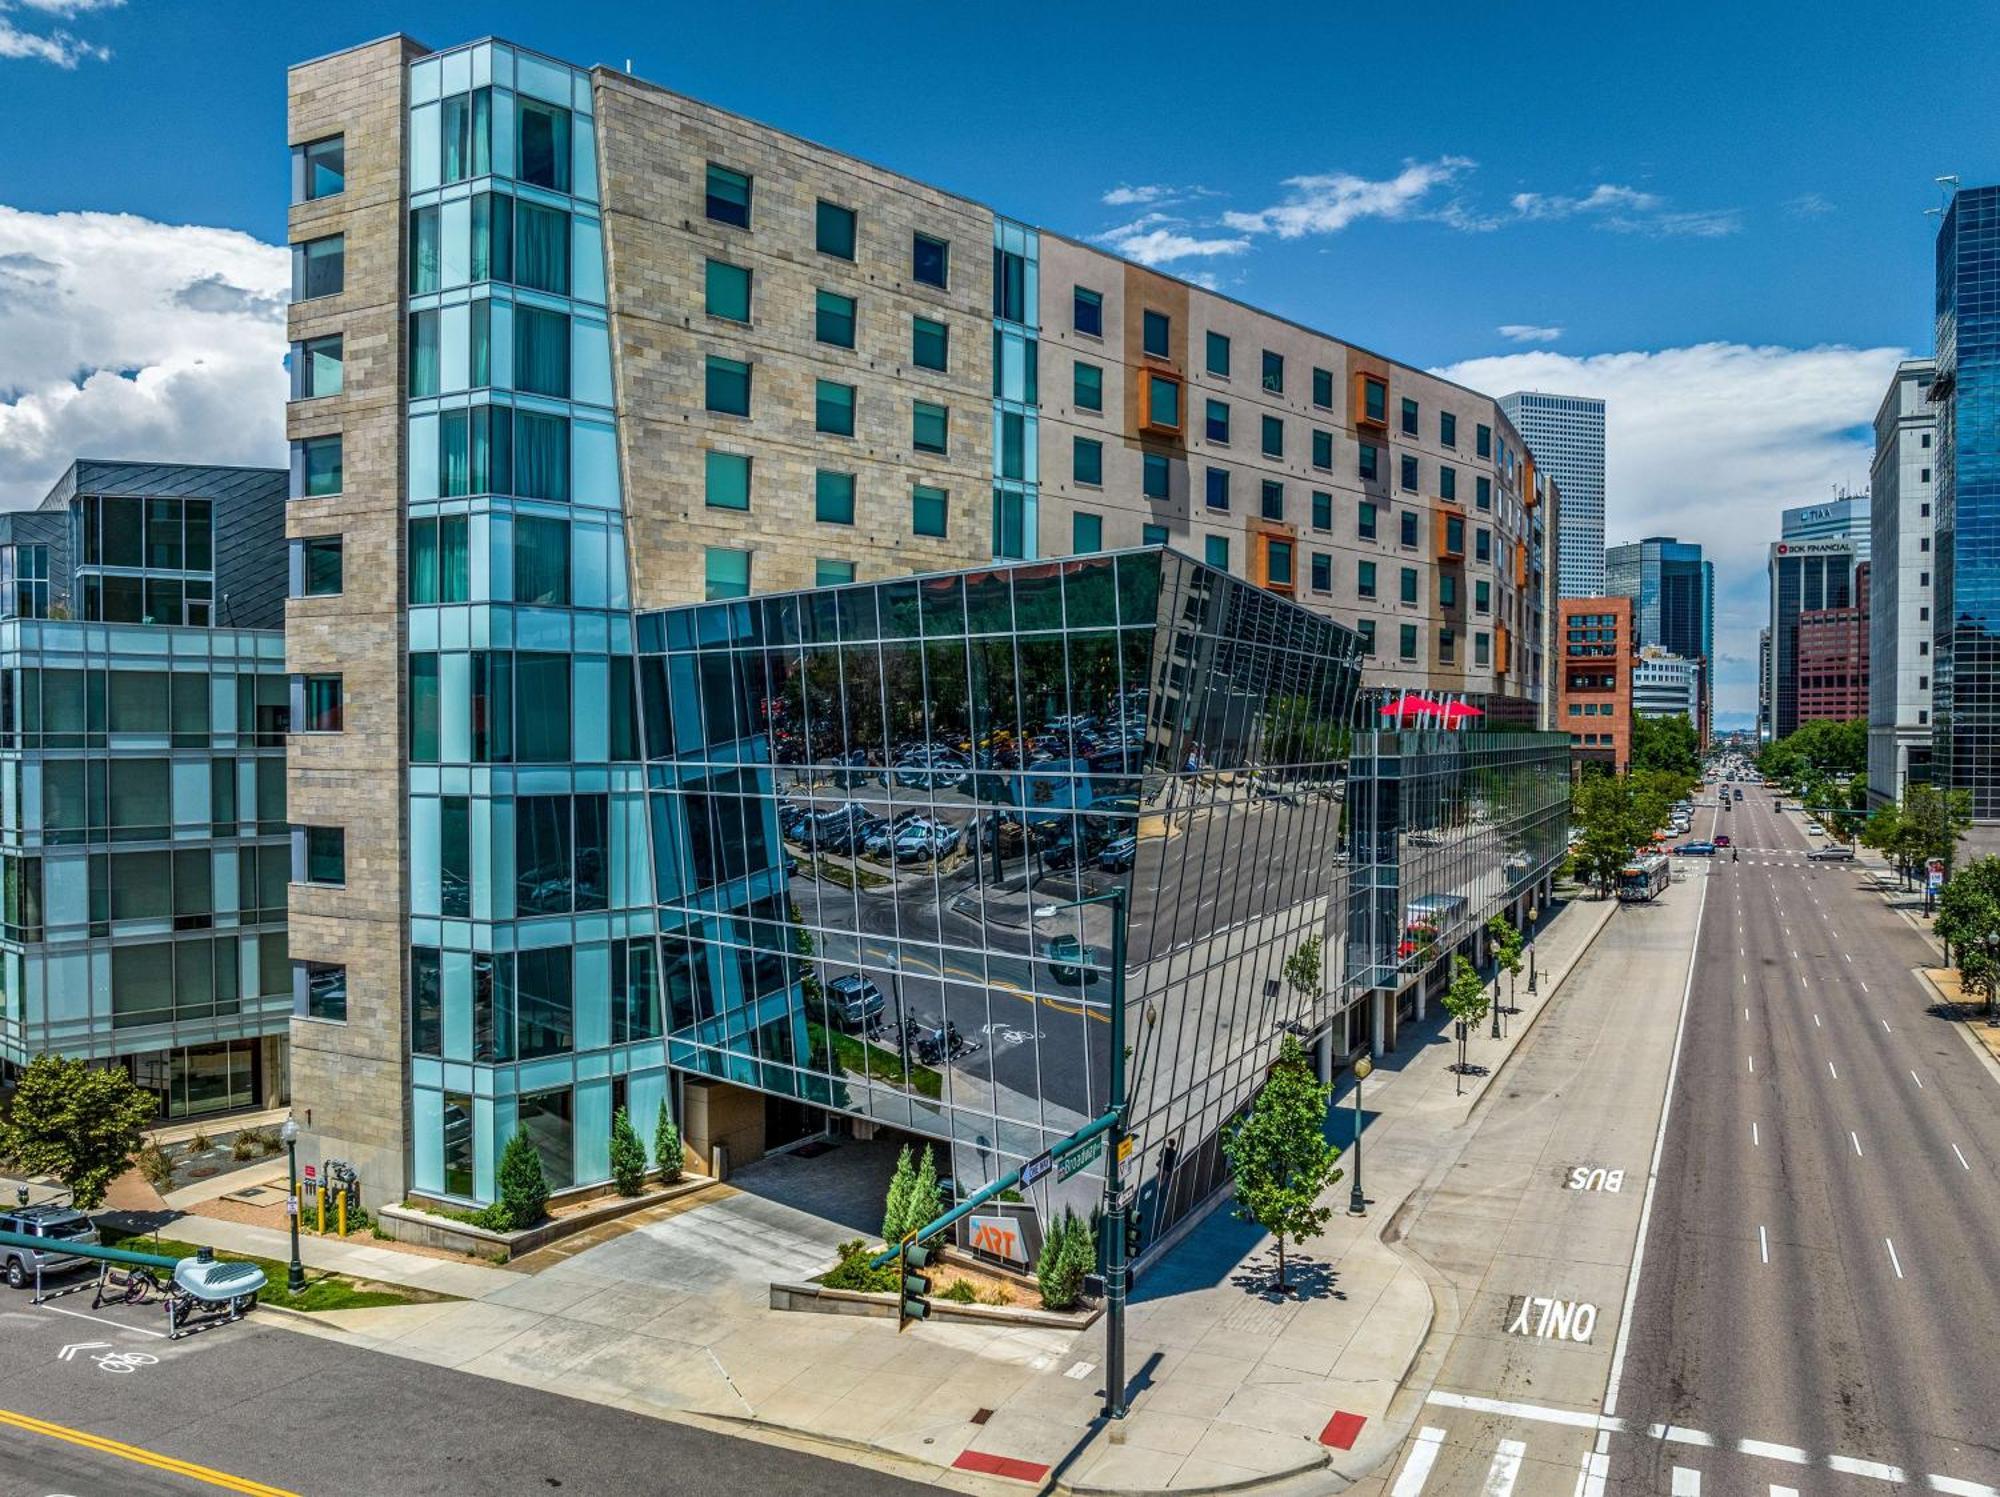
1116, 1270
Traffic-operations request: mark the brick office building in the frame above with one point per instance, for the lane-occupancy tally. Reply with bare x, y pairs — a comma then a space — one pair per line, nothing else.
1594, 680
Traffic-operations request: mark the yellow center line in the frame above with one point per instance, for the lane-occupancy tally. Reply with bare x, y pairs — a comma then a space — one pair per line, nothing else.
134, 1454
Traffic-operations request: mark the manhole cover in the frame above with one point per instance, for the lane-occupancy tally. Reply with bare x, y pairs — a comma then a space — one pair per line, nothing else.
255, 1195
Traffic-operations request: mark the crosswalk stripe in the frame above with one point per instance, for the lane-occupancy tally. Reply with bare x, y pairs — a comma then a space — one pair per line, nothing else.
1778, 1491
1506, 1467
1687, 1482
1957, 1488
1417, 1469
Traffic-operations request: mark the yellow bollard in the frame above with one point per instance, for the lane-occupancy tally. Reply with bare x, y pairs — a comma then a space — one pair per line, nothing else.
322, 1212
341, 1209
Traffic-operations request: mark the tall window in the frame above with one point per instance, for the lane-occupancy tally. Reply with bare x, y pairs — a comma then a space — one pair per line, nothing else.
1156, 476
1216, 423
1089, 390
1273, 500
1218, 354
1322, 448
1215, 488
319, 560
1087, 312
1157, 334
1215, 551
833, 230
833, 319
1087, 461
1322, 572
728, 386
1274, 436
929, 511
833, 497
1447, 429
319, 169
1322, 517
930, 343
929, 426
541, 248
541, 561
541, 351
321, 696
317, 368
1323, 388
1409, 418
930, 260
325, 855
833, 408
1278, 563
542, 134
316, 467
1274, 372
319, 267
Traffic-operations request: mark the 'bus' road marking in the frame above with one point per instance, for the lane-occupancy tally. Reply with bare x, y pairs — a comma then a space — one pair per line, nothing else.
1506, 1467
1417, 1469
1763, 1244
1853, 1139
1961, 1157
1897, 1264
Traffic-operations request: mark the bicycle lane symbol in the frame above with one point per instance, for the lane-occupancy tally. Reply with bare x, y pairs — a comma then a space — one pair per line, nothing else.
108, 1360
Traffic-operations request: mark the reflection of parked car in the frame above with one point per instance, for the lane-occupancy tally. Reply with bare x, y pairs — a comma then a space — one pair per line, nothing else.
1426, 839
924, 839
1060, 855
854, 998
1118, 854
59, 1224
1067, 959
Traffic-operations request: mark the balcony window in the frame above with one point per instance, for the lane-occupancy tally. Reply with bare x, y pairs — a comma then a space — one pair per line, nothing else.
319, 170
317, 368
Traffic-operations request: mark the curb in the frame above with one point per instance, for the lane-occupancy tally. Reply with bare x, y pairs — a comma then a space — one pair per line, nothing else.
1320, 1460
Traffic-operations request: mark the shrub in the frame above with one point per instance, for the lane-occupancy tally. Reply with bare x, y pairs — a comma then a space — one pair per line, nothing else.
155, 1166
667, 1145
199, 1142
524, 1189
628, 1155
997, 1294
82, 1124
959, 1292
923, 1205
896, 1207
242, 1146
853, 1272
269, 1142
1060, 1266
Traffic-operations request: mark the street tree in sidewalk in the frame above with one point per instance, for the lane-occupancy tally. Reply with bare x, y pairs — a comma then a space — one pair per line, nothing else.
1465, 1000
1507, 948
1279, 1156
1665, 743
81, 1123
1968, 918
1936, 821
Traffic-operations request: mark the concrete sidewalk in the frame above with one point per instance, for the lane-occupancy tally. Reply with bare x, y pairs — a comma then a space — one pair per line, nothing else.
1230, 1384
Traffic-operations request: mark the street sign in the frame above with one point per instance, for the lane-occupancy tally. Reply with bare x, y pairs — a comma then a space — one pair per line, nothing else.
1362, 1068
311, 1172
1126, 1145
1076, 1159
1037, 1167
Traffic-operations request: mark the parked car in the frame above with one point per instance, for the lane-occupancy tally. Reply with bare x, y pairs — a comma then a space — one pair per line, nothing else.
1696, 849
854, 1000
1118, 854
1834, 854
59, 1224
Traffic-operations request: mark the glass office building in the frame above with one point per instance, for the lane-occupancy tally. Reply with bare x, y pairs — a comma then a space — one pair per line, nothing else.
144, 847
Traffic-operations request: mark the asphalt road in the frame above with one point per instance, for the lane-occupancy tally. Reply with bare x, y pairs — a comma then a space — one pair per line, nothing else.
262, 1410
1819, 1272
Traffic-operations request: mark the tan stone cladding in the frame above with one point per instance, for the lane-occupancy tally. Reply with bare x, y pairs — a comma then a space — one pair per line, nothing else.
655, 148
349, 1081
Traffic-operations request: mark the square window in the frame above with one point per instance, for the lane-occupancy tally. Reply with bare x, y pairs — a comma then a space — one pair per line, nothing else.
930, 343
728, 480
319, 170
1157, 334
1087, 312
728, 200
1215, 549
1278, 563
1216, 487
1322, 572
929, 426
1407, 643
1364, 520
1409, 473
728, 291
1086, 532
1322, 510
1366, 629
1447, 429
317, 467
833, 319
1409, 418
1364, 579
1089, 393
1274, 372
728, 389
1218, 422
325, 855
319, 991
833, 408
1408, 522
833, 497
320, 699
1273, 500
726, 573
317, 368
319, 267
1218, 354
827, 572
1274, 436
320, 559
1155, 477
1152, 535
1087, 461
1163, 403
833, 230
930, 260
1323, 449
930, 511
1323, 389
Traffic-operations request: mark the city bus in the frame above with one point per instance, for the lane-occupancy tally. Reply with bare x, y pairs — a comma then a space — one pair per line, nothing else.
1643, 878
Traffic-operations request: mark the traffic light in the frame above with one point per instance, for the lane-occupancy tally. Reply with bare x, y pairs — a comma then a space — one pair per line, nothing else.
1134, 1235
913, 1299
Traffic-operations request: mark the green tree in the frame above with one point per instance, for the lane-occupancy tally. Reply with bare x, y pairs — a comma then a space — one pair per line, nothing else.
1968, 911
1978, 973
81, 1123
923, 1204
1612, 815
667, 1144
1936, 820
896, 1206
1666, 744
1819, 749
1061, 1264
1465, 1000
1278, 1154
1302, 968
524, 1189
628, 1155
1507, 948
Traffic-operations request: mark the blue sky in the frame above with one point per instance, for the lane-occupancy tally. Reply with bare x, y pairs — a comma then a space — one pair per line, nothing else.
1713, 214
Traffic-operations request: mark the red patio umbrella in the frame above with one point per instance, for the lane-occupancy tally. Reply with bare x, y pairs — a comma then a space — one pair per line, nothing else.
1412, 705
1457, 712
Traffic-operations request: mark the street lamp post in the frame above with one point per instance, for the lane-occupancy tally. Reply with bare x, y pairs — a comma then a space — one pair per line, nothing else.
295, 1276
1533, 914
1357, 1203
902, 1020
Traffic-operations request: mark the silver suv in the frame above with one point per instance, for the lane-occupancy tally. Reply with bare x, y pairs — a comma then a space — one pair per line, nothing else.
57, 1223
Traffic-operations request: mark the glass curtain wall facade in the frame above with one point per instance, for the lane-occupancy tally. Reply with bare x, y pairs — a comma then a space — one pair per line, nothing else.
1016, 390
145, 855
873, 805
532, 982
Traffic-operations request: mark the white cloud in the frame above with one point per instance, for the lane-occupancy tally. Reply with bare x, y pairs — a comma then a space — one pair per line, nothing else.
1626, 210
57, 47
121, 337
1527, 332
1708, 443
1808, 205
1129, 197
1160, 239
67, 8
1328, 203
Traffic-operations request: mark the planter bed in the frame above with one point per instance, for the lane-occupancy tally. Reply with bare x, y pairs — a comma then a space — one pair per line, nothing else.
577, 1212
815, 1298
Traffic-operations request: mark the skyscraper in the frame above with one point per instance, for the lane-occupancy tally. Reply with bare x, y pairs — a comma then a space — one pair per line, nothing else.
1566, 435
1673, 602
1965, 687
1844, 518
1805, 576
1899, 587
